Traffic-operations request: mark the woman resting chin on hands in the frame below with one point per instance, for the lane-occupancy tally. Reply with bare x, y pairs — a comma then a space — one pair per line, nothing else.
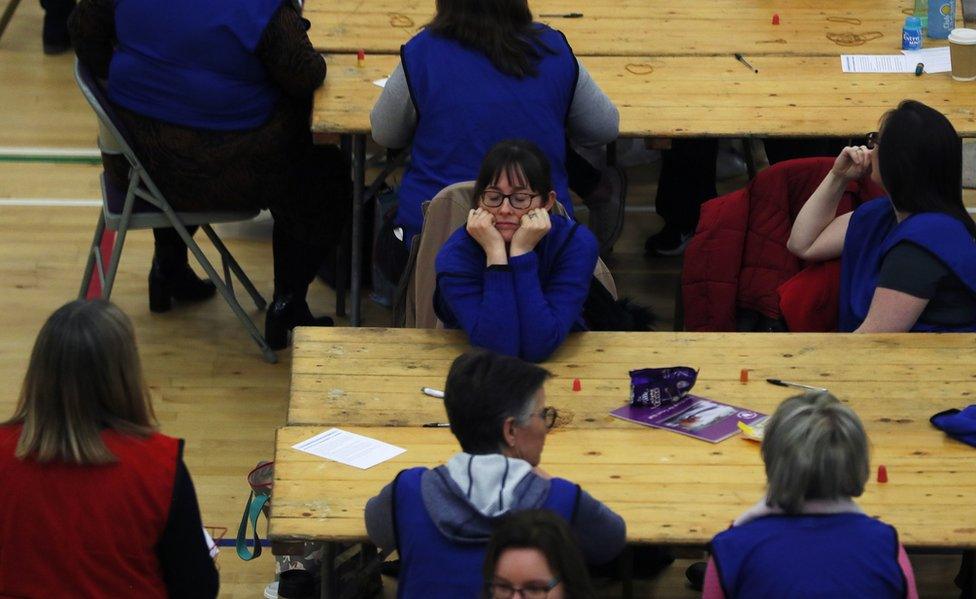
515, 277
908, 261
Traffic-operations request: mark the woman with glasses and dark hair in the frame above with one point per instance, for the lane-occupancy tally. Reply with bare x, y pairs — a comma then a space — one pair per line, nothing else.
478, 73
533, 553
908, 261
807, 537
94, 501
516, 277
440, 520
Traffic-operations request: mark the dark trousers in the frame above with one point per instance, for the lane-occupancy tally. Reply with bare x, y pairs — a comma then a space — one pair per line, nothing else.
56, 14
583, 176
687, 180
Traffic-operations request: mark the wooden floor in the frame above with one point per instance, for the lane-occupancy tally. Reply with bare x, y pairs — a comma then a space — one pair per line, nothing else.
208, 381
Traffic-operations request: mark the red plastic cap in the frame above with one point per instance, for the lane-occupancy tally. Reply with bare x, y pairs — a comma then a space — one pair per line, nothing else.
744, 375
882, 474
577, 385
361, 54
775, 19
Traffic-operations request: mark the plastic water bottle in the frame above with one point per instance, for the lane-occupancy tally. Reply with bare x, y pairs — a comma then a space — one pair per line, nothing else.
911, 34
922, 12
942, 18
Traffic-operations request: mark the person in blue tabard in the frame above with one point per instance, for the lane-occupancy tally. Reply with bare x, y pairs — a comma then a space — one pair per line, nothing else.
440, 520
478, 73
807, 537
515, 278
908, 261
215, 98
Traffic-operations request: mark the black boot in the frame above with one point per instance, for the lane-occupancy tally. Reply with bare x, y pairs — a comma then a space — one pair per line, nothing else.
171, 276
295, 265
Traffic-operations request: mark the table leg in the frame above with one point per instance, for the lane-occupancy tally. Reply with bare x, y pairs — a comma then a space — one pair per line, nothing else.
358, 188
330, 578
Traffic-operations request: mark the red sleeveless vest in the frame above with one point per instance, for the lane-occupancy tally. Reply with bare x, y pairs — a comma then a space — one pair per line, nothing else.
85, 531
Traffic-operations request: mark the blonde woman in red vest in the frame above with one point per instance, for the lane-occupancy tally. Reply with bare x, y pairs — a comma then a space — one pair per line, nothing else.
94, 502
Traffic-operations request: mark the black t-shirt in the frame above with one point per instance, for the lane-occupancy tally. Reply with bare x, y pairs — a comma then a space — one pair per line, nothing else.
912, 269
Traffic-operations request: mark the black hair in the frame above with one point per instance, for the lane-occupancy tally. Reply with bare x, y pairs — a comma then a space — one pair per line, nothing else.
547, 532
523, 163
920, 159
500, 29
483, 390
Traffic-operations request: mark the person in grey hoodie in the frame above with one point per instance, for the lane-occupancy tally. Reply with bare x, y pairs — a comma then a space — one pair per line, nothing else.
440, 520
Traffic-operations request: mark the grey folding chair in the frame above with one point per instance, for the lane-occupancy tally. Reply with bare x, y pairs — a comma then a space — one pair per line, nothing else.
142, 206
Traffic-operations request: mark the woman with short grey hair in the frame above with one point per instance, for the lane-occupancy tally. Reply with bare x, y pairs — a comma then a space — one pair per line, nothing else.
807, 537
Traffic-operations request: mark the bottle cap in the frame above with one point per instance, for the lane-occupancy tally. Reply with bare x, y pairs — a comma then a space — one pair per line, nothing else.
913, 23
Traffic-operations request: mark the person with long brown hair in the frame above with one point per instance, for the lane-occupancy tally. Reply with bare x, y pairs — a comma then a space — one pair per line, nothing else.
478, 73
95, 502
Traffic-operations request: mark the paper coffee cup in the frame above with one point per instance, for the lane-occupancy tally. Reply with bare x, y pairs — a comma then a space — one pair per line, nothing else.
962, 52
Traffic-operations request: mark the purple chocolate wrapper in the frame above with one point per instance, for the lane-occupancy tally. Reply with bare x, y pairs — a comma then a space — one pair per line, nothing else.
653, 387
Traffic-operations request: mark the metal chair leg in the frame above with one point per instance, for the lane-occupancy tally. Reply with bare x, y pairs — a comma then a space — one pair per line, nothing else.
258, 299
235, 306
93, 256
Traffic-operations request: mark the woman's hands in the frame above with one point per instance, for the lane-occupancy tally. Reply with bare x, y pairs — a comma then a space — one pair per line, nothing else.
535, 224
853, 162
481, 227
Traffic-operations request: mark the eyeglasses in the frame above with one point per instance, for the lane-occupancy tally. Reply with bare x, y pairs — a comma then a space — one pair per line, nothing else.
503, 590
872, 140
518, 200
548, 415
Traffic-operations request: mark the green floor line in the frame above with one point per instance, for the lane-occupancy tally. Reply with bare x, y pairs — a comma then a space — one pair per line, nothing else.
51, 159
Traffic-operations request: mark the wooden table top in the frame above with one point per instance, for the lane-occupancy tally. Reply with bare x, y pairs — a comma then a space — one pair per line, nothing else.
712, 96
372, 376
669, 488
638, 28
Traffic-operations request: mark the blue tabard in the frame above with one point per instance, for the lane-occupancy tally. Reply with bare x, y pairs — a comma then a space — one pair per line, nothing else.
434, 567
465, 106
192, 63
811, 556
873, 231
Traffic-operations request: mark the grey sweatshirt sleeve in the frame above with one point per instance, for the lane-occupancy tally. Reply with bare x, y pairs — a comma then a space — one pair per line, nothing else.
379, 519
602, 532
593, 119
393, 118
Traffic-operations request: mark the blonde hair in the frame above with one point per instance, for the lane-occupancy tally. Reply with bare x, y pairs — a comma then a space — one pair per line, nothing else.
84, 376
814, 447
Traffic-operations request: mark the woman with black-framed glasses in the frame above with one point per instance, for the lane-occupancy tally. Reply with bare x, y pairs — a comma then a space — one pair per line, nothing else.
533, 555
515, 278
440, 520
908, 261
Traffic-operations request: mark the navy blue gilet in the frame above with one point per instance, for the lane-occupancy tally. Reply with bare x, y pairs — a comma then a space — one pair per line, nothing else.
192, 63
822, 556
873, 231
465, 106
434, 567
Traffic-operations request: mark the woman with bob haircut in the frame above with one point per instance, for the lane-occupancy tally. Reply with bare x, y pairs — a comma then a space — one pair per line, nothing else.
534, 553
480, 72
440, 520
94, 501
908, 262
807, 537
515, 278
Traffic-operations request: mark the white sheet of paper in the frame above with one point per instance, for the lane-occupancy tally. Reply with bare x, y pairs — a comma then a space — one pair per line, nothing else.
381, 82
936, 60
877, 63
349, 448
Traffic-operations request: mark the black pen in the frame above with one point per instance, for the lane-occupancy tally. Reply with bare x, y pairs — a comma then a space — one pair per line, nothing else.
569, 15
745, 62
437, 425
797, 385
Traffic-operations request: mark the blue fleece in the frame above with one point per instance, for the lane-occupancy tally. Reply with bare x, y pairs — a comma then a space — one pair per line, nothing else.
527, 308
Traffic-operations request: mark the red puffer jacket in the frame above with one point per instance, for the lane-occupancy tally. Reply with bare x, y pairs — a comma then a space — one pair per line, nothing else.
738, 257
